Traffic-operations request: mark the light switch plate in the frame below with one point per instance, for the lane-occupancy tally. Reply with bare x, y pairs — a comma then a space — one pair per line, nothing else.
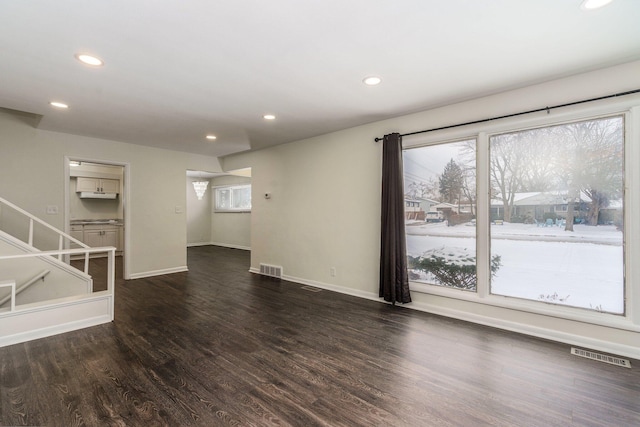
178, 209
52, 210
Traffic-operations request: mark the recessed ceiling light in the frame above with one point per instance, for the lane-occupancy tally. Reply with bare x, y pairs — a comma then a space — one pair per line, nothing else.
89, 59
594, 4
58, 104
212, 137
269, 117
372, 80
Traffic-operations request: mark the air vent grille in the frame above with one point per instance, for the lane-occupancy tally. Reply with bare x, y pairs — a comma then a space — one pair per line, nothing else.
271, 270
601, 357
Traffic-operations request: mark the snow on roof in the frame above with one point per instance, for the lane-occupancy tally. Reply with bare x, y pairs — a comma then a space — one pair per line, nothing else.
538, 198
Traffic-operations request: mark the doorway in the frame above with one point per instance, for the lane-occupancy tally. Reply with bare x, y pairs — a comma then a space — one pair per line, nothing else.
96, 206
208, 223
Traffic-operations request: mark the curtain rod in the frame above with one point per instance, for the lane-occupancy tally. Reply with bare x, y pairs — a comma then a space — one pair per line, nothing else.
537, 110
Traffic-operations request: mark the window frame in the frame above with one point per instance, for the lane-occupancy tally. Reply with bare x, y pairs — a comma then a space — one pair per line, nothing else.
630, 111
231, 189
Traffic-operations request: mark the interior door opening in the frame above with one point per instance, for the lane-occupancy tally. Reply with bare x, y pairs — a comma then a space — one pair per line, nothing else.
96, 211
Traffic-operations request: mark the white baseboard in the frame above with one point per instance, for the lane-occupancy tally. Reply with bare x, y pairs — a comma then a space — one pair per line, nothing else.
227, 245
224, 245
158, 272
550, 334
327, 286
526, 329
190, 245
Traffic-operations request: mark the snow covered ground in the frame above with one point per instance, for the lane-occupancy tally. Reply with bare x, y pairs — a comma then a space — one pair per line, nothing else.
583, 268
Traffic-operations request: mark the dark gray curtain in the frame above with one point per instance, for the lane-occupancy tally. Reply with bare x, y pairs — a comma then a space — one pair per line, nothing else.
394, 278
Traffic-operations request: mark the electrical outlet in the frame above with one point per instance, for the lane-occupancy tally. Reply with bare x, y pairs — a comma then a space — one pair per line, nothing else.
179, 209
332, 271
52, 210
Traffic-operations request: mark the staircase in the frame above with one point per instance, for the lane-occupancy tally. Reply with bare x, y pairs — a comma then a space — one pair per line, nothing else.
41, 293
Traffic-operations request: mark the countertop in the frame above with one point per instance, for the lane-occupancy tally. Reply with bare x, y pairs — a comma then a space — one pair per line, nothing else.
96, 222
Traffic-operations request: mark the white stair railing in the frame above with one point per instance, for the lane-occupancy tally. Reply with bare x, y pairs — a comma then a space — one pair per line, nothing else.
12, 291
111, 253
25, 219
61, 236
34, 219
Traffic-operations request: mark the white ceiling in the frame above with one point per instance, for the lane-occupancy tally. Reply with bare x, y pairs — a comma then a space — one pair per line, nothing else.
177, 70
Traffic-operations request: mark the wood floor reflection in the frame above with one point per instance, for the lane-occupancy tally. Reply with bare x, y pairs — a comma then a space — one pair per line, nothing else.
219, 346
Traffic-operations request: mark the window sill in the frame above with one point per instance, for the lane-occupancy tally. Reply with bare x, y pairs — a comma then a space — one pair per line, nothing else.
592, 317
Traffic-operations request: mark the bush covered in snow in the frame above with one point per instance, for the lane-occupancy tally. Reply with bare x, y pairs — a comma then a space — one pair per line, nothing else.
451, 266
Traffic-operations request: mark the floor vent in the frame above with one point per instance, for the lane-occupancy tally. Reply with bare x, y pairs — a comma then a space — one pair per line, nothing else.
271, 270
601, 357
311, 288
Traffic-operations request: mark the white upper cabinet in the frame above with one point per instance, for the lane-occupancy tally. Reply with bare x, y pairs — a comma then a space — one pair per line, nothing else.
98, 185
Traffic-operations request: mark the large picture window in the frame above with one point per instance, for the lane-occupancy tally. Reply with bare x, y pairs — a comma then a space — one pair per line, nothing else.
551, 222
234, 198
440, 209
557, 214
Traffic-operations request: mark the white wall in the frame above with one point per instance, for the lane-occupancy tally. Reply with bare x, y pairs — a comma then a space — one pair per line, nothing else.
231, 229
325, 207
198, 215
32, 176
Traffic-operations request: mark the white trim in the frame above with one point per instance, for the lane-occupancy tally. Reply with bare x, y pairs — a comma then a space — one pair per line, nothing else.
190, 245
228, 245
632, 207
327, 286
527, 329
521, 328
224, 245
152, 273
576, 314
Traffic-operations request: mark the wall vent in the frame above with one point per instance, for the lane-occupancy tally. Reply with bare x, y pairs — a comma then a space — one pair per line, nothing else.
271, 270
600, 357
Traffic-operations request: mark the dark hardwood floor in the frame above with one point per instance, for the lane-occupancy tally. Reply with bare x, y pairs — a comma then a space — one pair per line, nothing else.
218, 346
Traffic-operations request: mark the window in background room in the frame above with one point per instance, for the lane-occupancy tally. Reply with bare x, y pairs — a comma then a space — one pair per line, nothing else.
557, 214
234, 198
440, 212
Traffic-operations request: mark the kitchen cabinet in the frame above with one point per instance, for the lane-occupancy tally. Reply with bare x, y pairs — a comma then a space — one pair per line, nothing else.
77, 232
100, 235
97, 185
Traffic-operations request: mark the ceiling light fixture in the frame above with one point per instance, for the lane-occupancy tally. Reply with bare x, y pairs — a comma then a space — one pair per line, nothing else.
211, 137
269, 117
58, 104
89, 59
200, 188
372, 80
594, 4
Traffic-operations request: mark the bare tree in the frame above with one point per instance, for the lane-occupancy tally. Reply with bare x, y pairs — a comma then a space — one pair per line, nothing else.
505, 168
592, 163
467, 161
